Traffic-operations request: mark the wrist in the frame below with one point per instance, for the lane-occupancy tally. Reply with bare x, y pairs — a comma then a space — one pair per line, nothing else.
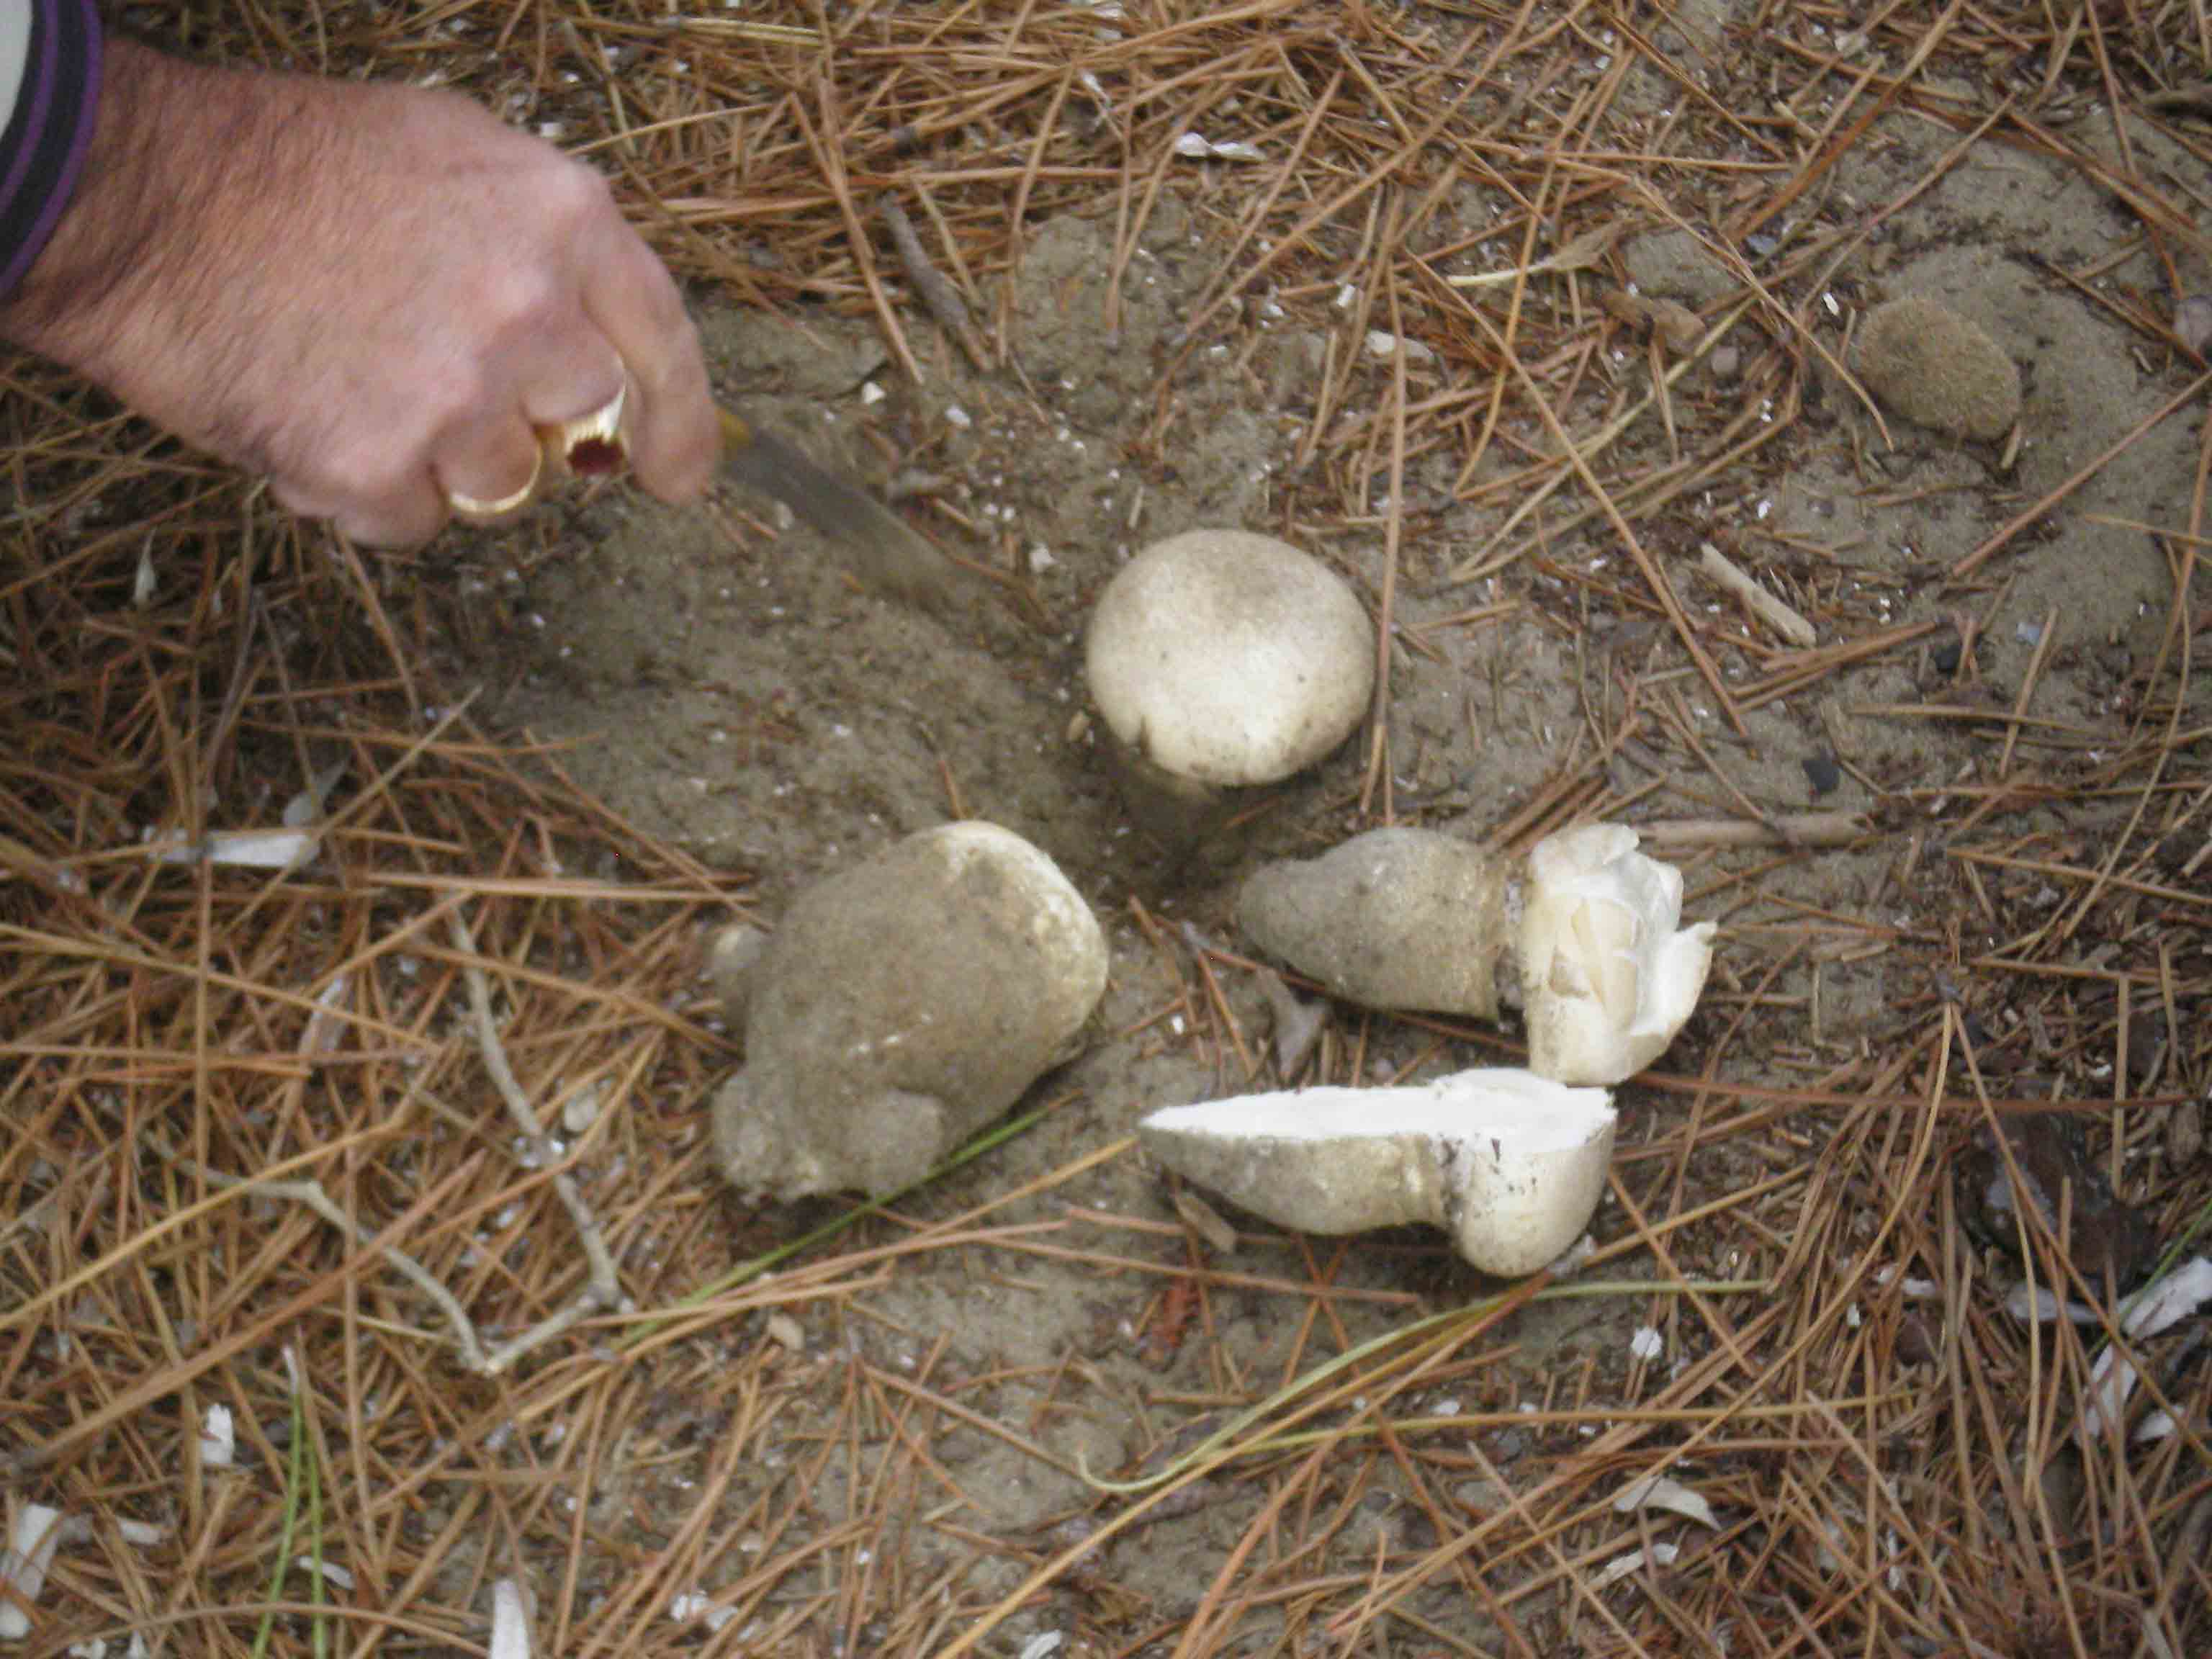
148, 178
50, 63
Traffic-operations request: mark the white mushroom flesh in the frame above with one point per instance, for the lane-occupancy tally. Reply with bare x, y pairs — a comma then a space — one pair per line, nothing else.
1512, 1165
1609, 974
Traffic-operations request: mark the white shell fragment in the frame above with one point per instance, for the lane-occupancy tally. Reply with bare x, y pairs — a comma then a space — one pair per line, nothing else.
39, 1531
218, 1439
903, 1005
510, 1621
697, 1608
1608, 974
1510, 1164
31, 1545
1659, 1491
1227, 658
252, 849
1197, 147
2157, 1307
1382, 343
296, 844
1623, 1566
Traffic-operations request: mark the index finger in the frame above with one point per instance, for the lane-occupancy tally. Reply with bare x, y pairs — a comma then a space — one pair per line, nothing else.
674, 439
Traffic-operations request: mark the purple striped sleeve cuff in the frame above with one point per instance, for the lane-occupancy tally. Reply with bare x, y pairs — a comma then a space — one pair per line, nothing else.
42, 149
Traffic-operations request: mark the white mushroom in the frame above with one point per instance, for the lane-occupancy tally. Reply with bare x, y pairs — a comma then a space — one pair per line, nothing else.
1510, 1164
1609, 974
1222, 659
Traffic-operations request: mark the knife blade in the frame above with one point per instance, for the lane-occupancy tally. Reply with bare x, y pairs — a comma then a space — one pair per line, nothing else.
886, 553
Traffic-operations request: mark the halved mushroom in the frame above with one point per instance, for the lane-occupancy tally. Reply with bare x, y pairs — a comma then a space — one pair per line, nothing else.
1585, 934
1511, 1164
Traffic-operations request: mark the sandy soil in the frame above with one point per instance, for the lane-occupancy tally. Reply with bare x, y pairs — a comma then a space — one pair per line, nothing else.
741, 696
719, 681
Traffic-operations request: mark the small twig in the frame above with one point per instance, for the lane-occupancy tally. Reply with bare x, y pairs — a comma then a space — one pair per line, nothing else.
1783, 828
603, 1288
1585, 252
311, 1193
934, 287
1771, 611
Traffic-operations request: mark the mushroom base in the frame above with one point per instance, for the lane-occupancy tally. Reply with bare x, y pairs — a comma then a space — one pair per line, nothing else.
1184, 817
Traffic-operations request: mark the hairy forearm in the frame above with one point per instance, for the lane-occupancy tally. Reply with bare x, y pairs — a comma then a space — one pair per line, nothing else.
153, 283
125, 259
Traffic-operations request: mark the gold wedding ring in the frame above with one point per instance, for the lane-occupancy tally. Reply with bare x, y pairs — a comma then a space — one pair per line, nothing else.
471, 507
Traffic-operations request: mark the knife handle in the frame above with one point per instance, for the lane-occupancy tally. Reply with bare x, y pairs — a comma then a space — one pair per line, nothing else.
736, 434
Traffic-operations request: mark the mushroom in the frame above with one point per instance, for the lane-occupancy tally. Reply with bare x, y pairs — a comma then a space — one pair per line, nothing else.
901, 1005
1608, 974
1585, 935
1396, 918
1219, 659
1512, 1165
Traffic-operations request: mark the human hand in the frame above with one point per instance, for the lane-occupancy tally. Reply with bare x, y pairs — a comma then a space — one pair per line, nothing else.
370, 294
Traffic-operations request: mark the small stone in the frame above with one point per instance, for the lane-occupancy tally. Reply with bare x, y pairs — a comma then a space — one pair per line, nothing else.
1676, 264
2104, 1236
1822, 774
1938, 368
2185, 1133
1680, 327
581, 1110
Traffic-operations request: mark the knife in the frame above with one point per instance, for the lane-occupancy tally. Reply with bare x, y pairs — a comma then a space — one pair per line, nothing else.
885, 552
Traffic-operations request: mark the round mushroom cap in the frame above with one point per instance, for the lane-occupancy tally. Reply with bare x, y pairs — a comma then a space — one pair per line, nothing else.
1228, 658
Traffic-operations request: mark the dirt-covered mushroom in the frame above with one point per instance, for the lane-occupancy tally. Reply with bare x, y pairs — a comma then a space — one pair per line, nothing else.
1511, 1164
1219, 658
1585, 935
901, 1005
1396, 918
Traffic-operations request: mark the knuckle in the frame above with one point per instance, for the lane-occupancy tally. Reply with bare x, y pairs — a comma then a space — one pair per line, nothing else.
575, 194
521, 294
